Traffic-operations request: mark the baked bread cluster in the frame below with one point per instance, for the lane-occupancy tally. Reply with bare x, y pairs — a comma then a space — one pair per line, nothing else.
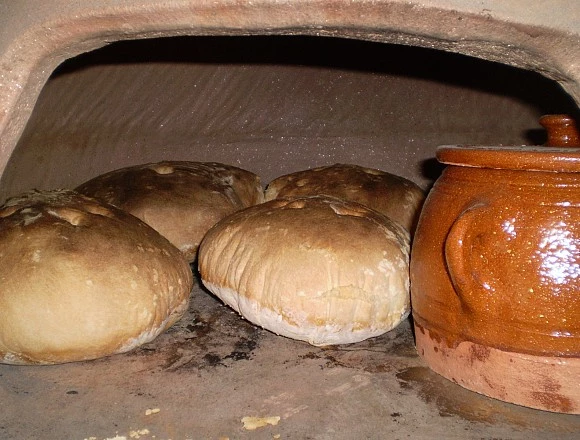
322, 256
103, 269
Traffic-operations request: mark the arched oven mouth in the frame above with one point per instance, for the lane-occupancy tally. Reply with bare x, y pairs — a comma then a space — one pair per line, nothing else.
273, 104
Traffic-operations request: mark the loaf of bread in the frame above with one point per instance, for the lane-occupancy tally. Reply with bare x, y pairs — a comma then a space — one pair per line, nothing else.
81, 280
317, 269
391, 195
181, 200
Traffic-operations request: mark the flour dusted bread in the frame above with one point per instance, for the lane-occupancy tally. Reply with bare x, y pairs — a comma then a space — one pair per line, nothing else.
317, 269
81, 280
394, 196
181, 200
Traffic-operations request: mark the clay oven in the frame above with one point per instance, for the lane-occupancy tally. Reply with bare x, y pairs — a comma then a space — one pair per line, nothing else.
274, 86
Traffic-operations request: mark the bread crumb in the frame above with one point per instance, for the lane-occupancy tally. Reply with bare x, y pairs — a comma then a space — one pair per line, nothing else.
150, 411
138, 433
251, 423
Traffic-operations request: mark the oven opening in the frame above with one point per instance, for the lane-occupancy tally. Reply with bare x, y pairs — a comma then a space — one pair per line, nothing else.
272, 105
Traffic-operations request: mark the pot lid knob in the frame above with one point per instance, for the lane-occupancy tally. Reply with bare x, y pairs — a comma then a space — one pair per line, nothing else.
562, 130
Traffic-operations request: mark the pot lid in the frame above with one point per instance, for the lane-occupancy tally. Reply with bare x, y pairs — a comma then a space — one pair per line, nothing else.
530, 158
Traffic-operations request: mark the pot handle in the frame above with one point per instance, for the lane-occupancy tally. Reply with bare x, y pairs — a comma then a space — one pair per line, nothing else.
457, 253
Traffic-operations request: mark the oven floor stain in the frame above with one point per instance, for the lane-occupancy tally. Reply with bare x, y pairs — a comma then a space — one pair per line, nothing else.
452, 400
213, 368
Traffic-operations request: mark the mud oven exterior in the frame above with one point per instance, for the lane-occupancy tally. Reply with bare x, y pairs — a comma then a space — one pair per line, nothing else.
273, 87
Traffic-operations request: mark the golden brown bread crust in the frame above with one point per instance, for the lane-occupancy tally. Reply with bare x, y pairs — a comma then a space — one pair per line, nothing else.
318, 269
82, 280
391, 195
181, 200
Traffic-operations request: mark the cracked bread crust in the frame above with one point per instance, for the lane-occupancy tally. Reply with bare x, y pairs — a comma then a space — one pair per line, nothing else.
391, 195
82, 280
179, 199
317, 269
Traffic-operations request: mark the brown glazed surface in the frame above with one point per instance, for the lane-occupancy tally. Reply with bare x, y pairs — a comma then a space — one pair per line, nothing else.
496, 255
562, 131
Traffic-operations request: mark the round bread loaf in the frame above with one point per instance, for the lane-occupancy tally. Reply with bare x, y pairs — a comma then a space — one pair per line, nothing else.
317, 269
80, 280
391, 195
180, 200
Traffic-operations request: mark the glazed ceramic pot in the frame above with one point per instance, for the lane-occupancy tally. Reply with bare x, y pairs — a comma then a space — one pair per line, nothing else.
495, 274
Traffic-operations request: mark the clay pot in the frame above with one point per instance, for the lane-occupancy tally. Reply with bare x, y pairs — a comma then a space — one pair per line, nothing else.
495, 274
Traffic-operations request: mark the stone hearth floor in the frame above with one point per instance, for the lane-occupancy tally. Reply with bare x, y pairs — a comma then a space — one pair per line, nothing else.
213, 369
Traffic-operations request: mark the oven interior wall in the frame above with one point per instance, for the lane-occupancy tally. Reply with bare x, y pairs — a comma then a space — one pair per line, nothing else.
272, 105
